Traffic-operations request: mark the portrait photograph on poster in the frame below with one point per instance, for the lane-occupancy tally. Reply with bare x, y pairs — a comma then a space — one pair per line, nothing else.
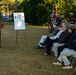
19, 21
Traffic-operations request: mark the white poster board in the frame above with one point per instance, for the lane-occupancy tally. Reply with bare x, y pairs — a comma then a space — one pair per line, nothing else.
19, 21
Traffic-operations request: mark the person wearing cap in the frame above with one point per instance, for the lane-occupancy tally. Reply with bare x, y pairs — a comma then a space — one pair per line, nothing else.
72, 18
62, 38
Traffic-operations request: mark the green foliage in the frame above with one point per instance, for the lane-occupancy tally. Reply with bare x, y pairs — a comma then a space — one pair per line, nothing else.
38, 11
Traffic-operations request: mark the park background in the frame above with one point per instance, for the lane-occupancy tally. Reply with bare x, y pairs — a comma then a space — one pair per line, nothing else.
22, 58
37, 12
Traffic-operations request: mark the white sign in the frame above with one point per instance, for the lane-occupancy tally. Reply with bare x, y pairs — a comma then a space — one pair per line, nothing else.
19, 21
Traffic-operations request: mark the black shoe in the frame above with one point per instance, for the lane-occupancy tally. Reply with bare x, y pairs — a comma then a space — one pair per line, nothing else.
38, 47
42, 43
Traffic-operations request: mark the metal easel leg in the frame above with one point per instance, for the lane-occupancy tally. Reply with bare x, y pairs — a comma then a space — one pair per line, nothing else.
16, 36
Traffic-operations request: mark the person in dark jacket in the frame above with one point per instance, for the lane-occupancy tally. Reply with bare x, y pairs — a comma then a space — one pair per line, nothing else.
62, 38
68, 42
62, 45
68, 51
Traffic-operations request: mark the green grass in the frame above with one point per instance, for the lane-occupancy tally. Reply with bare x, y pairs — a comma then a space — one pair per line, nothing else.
22, 58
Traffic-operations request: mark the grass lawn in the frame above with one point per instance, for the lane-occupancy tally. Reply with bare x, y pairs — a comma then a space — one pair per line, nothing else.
22, 58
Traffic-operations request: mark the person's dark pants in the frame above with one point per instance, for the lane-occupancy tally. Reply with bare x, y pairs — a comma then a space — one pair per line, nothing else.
49, 45
60, 49
46, 41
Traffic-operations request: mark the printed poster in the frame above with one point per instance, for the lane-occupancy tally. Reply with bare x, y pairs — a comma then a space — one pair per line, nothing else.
19, 21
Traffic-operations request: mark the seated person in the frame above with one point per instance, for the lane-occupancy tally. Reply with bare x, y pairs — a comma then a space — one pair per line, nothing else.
67, 44
68, 51
62, 38
63, 57
56, 45
54, 35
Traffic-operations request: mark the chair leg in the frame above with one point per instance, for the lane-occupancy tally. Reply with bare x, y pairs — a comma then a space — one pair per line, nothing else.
71, 58
73, 61
75, 68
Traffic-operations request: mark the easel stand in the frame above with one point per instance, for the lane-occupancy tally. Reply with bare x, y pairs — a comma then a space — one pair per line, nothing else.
17, 32
16, 36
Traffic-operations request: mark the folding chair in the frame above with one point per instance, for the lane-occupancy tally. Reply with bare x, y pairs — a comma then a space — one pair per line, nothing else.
73, 59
